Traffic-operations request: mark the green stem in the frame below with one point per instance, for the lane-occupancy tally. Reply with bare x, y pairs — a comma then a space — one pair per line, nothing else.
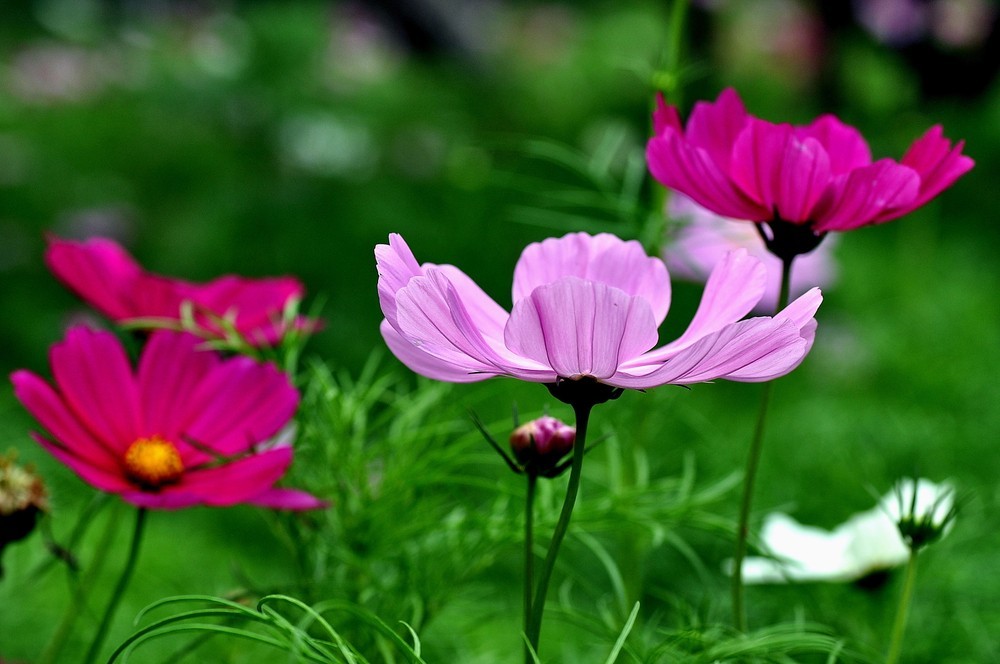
750, 476
903, 610
529, 555
79, 590
109, 612
573, 488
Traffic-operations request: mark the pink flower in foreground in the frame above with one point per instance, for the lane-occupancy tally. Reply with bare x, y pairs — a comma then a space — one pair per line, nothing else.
700, 239
185, 428
820, 176
109, 279
586, 307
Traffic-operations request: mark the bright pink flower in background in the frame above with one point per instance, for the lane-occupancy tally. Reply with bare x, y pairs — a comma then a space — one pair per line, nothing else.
699, 239
586, 307
185, 428
109, 279
820, 175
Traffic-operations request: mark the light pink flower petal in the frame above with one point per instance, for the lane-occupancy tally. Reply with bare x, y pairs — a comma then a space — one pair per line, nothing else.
602, 258
171, 368
844, 144
858, 198
581, 328
287, 499
938, 164
239, 404
95, 378
748, 351
396, 266
714, 127
48, 407
733, 289
781, 171
430, 365
487, 316
665, 116
100, 477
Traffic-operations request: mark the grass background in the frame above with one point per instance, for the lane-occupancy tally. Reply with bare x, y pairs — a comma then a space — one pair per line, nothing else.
292, 137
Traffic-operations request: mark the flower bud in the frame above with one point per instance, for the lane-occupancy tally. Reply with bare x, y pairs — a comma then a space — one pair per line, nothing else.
540, 445
923, 511
22, 497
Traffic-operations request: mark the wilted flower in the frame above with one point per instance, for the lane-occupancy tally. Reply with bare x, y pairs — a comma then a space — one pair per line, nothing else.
867, 543
801, 182
541, 444
22, 498
586, 312
702, 238
102, 273
185, 428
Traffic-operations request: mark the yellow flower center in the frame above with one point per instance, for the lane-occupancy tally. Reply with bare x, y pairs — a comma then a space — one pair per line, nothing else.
153, 462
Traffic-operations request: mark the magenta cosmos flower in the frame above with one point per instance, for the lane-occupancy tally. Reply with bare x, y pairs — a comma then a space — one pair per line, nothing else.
109, 279
586, 309
185, 428
820, 176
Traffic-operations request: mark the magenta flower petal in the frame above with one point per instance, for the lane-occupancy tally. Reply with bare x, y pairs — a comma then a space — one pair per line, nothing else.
603, 258
859, 197
665, 116
164, 436
235, 481
94, 376
781, 171
48, 407
685, 167
92, 470
286, 499
845, 146
108, 278
238, 404
581, 328
820, 176
715, 126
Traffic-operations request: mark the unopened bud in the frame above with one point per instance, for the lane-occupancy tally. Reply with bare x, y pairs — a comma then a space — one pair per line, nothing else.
541, 444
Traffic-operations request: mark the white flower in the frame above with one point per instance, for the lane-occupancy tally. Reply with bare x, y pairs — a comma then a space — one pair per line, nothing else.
867, 542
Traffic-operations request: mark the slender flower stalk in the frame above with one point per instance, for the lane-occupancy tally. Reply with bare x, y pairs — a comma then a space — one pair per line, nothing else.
903, 610
750, 476
534, 631
116, 595
529, 557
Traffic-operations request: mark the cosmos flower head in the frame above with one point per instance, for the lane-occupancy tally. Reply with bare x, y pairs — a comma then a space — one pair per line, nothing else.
105, 276
869, 542
819, 177
586, 313
186, 427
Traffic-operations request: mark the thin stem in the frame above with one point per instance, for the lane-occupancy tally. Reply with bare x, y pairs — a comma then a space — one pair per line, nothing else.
116, 595
572, 489
903, 610
529, 555
79, 589
750, 476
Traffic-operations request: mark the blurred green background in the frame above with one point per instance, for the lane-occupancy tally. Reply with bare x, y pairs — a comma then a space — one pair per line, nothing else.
291, 137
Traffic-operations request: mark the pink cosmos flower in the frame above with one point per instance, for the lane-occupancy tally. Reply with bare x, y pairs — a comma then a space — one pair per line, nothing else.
185, 428
102, 273
821, 175
586, 307
700, 239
